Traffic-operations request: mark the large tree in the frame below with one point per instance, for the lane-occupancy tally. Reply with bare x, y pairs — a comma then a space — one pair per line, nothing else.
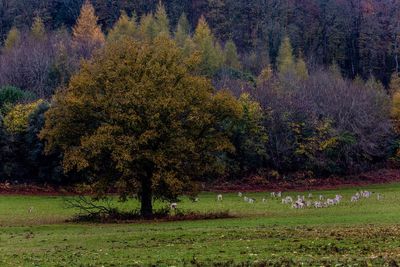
136, 119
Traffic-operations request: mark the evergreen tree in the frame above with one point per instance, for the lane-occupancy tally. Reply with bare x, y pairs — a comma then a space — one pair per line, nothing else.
13, 38
358, 81
124, 27
161, 21
231, 56
38, 30
301, 69
265, 75
220, 55
285, 60
147, 28
374, 84
204, 42
335, 70
182, 30
87, 34
188, 47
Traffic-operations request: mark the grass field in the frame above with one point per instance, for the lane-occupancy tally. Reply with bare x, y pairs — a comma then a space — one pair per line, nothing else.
366, 233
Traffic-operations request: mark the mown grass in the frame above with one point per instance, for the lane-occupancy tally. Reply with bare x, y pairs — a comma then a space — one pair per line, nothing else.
364, 233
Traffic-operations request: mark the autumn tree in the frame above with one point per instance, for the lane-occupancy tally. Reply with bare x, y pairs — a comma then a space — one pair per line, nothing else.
301, 69
124, 27
394, 85
161, 21
136, 119
374, 84
10, 95
87, 34
12, 39
17, 119
188, 46
182, 30
204, 41
38, 30
335, 70
249, 137
147, 28
395, 110
231, 55
265, 75
285, 60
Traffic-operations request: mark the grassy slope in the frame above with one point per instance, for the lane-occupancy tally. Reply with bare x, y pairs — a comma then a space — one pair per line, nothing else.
368, 230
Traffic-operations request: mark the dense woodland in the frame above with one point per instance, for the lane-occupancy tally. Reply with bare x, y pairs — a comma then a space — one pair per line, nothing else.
362, 36
266, 88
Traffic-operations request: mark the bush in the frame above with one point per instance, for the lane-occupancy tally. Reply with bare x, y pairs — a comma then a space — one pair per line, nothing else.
17, 119
22, 153
10, 95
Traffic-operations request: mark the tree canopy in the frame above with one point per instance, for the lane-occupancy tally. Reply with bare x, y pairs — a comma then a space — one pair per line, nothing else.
135, 118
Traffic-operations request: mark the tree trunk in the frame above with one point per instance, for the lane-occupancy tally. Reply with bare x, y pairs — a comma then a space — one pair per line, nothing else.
146, 198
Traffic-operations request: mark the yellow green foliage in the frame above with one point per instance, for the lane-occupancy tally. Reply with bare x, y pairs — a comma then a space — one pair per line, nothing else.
335, 70
314, 143
161, 21
231, 55
147, 28
285, 60
38, 30
249, 137
396, 105
358, 81
136, 118
12, 39
17, 119
188, 47
394, 85
211, 56
265, 75
395, 109
182, 30
301, 69
374, 84
124, 27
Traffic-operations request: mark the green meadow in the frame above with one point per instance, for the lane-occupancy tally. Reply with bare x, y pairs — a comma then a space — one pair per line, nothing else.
34, 232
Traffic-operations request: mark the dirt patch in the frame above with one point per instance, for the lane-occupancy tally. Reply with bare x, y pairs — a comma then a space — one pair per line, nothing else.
250, 184
258, 184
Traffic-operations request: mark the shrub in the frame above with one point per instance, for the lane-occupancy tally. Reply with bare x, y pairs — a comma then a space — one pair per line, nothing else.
17, 119
10, 95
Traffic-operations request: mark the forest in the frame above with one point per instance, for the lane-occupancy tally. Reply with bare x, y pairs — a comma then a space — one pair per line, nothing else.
303, 88
199, 133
